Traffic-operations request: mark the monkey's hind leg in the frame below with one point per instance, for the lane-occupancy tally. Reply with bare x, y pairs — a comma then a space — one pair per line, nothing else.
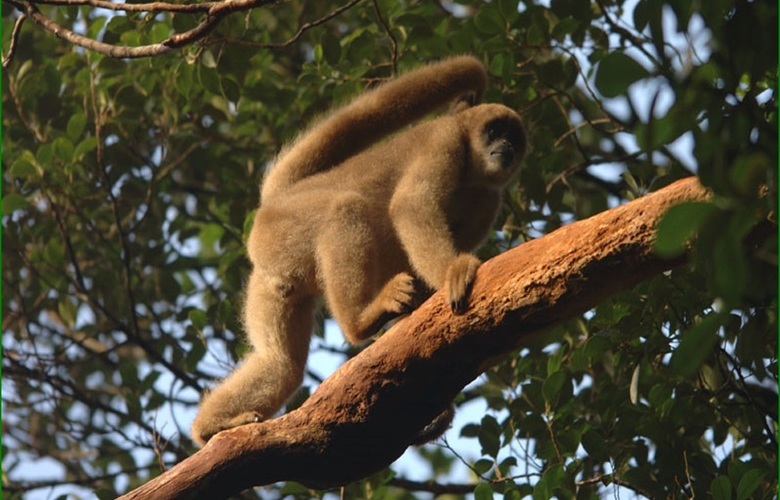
280, 331
358, 293
247, 395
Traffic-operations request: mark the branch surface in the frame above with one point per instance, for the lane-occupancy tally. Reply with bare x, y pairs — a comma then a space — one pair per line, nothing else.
363, 416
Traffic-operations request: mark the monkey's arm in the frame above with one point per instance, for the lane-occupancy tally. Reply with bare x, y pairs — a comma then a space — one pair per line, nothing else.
373, 116
418, 211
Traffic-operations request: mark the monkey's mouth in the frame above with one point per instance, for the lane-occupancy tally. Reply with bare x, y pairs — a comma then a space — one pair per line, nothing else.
506, 156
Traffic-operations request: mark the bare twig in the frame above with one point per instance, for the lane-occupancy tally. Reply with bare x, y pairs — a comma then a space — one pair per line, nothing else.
14, 39
215, 12
393, 41
303, 29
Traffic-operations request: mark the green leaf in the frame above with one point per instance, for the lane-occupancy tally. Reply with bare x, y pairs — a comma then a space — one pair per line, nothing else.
84, 147
53, 252
231, 89
183, 79
497, 65
554, 361
483, 491
750, 481
594, 444
13, 202
76, 126
564, 27
63, 149
209, 79
728, 256
695, 346
678, 225
119, 24
552, 387
489, 21
616, 73
207, 59
198, 318
482, 466
67, 311
720, 488
96, 25
552, 478
469, 430
331, 48
597, 346
159, 32
659, 394
318, 53
489, 436
748, 172
25, 166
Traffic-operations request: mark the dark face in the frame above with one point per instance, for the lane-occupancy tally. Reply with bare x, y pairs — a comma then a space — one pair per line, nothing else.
504, 143
497, 143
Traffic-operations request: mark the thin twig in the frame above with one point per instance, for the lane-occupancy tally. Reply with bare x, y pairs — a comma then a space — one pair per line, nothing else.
14, 39
393, 41
304, 28
215, 13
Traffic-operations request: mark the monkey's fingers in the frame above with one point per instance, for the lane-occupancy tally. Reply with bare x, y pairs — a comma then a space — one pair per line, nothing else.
460, 277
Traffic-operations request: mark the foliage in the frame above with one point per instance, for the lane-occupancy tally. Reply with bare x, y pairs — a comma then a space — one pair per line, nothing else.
128, 184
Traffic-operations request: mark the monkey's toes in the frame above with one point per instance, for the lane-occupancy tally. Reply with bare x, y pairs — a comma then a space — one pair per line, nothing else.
402, 292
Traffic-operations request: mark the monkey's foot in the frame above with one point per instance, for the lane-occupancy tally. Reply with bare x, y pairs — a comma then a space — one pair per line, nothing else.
436, 428
397, 296
248, 417
206, 426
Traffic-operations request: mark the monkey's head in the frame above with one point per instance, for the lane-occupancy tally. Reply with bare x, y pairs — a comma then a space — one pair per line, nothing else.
497, 143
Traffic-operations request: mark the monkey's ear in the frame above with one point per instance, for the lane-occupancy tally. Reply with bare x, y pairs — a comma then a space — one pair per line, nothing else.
464, 102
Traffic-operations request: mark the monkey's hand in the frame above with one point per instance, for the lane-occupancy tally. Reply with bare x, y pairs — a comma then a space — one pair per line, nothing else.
458, 281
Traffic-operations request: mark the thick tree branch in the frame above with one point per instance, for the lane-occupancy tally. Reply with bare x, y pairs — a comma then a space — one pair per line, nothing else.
363, 416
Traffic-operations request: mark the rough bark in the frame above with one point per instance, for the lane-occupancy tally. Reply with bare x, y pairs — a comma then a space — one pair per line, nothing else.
363, 416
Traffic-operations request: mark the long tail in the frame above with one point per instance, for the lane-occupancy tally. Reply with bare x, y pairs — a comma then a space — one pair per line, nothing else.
374, 115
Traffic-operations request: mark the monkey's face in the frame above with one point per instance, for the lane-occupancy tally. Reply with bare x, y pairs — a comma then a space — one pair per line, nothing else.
497, 140
504, 144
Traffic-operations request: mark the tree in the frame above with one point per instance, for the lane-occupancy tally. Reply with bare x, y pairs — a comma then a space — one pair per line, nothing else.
128, 184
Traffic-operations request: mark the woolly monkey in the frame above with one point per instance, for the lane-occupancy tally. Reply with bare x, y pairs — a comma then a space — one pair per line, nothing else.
346, 215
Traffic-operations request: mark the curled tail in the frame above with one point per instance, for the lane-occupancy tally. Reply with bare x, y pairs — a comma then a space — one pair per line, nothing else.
374, 115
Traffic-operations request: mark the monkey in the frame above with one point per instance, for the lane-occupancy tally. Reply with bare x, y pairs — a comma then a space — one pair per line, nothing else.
366, 208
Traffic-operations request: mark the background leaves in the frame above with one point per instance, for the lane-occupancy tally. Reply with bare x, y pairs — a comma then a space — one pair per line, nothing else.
128, 186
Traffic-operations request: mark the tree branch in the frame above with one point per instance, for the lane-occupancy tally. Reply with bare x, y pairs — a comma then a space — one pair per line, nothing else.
364, 415
215, 12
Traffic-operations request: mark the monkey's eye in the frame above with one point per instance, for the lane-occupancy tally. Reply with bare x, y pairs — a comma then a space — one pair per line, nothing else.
493, 134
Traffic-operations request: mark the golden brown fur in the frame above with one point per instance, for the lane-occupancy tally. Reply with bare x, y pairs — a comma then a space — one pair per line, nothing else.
358, 220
